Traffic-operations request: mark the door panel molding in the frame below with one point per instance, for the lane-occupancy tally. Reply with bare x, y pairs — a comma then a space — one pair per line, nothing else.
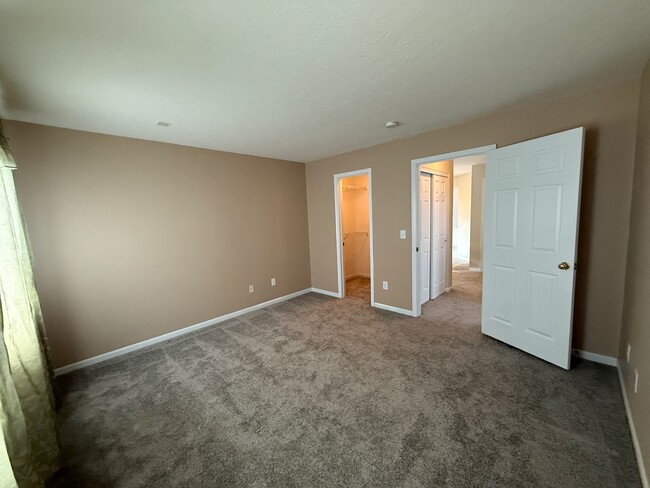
530, 232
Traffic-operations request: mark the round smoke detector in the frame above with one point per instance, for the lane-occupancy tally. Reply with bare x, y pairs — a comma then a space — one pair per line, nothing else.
391, 124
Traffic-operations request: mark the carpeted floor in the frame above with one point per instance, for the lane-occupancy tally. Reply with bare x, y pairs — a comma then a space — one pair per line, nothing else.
324, 392
460, 263
358, 287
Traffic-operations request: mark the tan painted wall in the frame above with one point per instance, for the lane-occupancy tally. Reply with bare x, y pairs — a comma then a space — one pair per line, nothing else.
133, 239
636, 316
476, 224
609, 114
356, 224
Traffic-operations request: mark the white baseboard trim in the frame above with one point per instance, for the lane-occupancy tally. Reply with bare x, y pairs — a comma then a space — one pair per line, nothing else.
390, 308
596, 358
357, 275
635, 439
170, 335
448, 289
325, 292
475, 270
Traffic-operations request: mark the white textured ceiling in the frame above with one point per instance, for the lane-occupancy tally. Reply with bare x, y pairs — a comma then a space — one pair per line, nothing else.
302, 80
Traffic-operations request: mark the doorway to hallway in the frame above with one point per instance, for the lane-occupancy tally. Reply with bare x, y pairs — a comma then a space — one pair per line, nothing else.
449, 226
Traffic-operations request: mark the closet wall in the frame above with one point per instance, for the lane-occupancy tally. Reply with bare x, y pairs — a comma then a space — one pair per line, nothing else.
476, 228
356, 226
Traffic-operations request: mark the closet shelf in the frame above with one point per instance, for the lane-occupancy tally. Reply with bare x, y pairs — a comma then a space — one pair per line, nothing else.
348, 234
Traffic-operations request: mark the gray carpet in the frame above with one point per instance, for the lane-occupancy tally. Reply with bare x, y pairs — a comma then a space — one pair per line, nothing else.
324, 392
358, 287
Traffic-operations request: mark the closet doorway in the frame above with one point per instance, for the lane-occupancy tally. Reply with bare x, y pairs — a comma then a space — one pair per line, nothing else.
354, 235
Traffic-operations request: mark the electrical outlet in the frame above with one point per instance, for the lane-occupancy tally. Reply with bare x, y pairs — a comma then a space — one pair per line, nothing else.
272, 281
385, 285
251, 288
402, 234
636, 381
629, 348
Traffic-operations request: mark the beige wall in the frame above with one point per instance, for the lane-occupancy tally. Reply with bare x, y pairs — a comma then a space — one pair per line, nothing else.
356, 227
476, 225
636, 316
463, 186
133, 239
609, 115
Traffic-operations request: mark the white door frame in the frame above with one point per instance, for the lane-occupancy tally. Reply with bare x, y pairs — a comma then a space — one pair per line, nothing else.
416, 164
339, 240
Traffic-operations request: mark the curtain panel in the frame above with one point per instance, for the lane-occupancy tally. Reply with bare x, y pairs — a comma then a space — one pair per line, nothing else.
28, 447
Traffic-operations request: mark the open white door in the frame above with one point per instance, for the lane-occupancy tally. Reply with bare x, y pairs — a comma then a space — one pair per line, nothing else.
532, 201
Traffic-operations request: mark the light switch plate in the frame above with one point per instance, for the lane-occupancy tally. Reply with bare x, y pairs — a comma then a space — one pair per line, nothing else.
402, 234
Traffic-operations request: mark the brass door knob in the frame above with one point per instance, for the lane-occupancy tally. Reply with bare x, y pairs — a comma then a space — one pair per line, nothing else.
564, 265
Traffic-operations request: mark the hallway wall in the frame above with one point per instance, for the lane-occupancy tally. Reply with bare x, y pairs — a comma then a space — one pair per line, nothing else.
476, 228
461, 232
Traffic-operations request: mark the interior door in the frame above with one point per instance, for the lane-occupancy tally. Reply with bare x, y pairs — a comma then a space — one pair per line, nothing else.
532, 197
425, 236
438, 235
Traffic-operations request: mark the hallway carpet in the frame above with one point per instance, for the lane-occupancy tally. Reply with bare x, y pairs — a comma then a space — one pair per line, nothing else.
358, 287
320, 392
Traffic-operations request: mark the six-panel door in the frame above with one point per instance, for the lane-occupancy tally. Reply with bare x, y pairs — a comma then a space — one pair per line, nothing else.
532, 197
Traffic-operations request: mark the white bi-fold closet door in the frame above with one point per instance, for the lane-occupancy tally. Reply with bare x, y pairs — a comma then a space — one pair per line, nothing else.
433, 235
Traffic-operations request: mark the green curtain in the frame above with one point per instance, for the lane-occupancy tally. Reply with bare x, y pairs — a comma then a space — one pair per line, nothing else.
28, 447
